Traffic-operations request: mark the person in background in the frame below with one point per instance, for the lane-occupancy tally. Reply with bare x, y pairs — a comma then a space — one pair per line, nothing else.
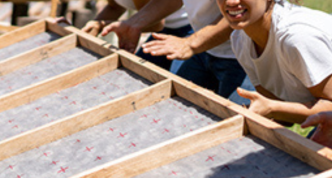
286, 50
176, 24
323, 132
211, 63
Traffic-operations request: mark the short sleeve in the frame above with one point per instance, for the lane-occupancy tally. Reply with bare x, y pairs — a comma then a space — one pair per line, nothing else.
308, 54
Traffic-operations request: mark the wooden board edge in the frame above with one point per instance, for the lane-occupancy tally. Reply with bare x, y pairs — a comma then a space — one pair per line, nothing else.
4, 28
38, 54
91, 44
59, 82
142, 67
22, 33
302, 148
169, 151
204, 98
58, 28
84, 119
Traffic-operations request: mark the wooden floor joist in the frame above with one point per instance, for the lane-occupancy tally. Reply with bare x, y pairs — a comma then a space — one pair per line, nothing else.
38, 54
58, 83
83, 120
237, 121
170, 151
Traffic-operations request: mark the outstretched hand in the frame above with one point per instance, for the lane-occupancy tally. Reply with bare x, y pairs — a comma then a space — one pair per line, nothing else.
323, 133
127, 34
170, 46
258, 103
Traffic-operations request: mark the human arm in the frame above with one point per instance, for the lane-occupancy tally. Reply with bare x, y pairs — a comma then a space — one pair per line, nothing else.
129, 31
323, 133
183, 48
277, 109
110, 13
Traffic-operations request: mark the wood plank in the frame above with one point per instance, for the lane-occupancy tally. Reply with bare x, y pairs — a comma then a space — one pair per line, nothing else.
38, 54
56, 28
57, 83
85, 119
169, 151
204, 98
22, 33
4, 28
54, 8
92, 45
141, 67
304, 149
65, 29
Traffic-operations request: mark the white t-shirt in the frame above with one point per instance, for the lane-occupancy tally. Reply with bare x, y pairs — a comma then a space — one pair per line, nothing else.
175, 20
298, 54
202, 13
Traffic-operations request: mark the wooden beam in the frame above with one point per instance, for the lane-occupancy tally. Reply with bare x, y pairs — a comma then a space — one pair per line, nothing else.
22, 33
204, 98
56, 27
169, 151
54, 7
65, 29
85, 119
141, 66
38, 54
4, 28
57, 83
92, 45
304, 149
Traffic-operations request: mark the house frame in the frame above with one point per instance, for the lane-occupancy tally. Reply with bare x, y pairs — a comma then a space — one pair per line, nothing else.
240, 121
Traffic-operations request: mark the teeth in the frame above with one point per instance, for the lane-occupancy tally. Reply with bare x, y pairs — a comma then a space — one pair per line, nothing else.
236, 12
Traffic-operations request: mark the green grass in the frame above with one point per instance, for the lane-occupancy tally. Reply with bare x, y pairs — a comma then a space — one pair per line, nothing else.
323, 5
297, 129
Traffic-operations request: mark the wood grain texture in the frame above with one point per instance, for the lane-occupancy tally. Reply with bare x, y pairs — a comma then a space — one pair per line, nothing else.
85, 119
22, 33
57, 83
169, 151
38, 54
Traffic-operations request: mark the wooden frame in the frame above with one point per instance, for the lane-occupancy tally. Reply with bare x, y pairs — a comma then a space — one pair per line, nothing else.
239, 122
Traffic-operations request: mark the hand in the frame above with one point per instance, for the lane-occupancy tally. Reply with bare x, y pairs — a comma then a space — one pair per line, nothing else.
170, 46
62, 20
258, 103
93, 27
128, 35
323, 133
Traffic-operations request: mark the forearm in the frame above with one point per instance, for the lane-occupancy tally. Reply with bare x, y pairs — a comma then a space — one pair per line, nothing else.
297, 112
153, 12
111, 12
210, 36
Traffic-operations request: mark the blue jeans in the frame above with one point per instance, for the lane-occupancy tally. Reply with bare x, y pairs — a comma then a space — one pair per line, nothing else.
162, 61
221, 75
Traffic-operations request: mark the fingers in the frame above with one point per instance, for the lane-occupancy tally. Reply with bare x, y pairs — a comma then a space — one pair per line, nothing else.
312, 120
109, 28
62, 20
159, 36
246, 94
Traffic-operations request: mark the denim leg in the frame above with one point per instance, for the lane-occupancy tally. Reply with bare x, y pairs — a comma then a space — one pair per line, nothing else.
196, 70
229, 74
246, 84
